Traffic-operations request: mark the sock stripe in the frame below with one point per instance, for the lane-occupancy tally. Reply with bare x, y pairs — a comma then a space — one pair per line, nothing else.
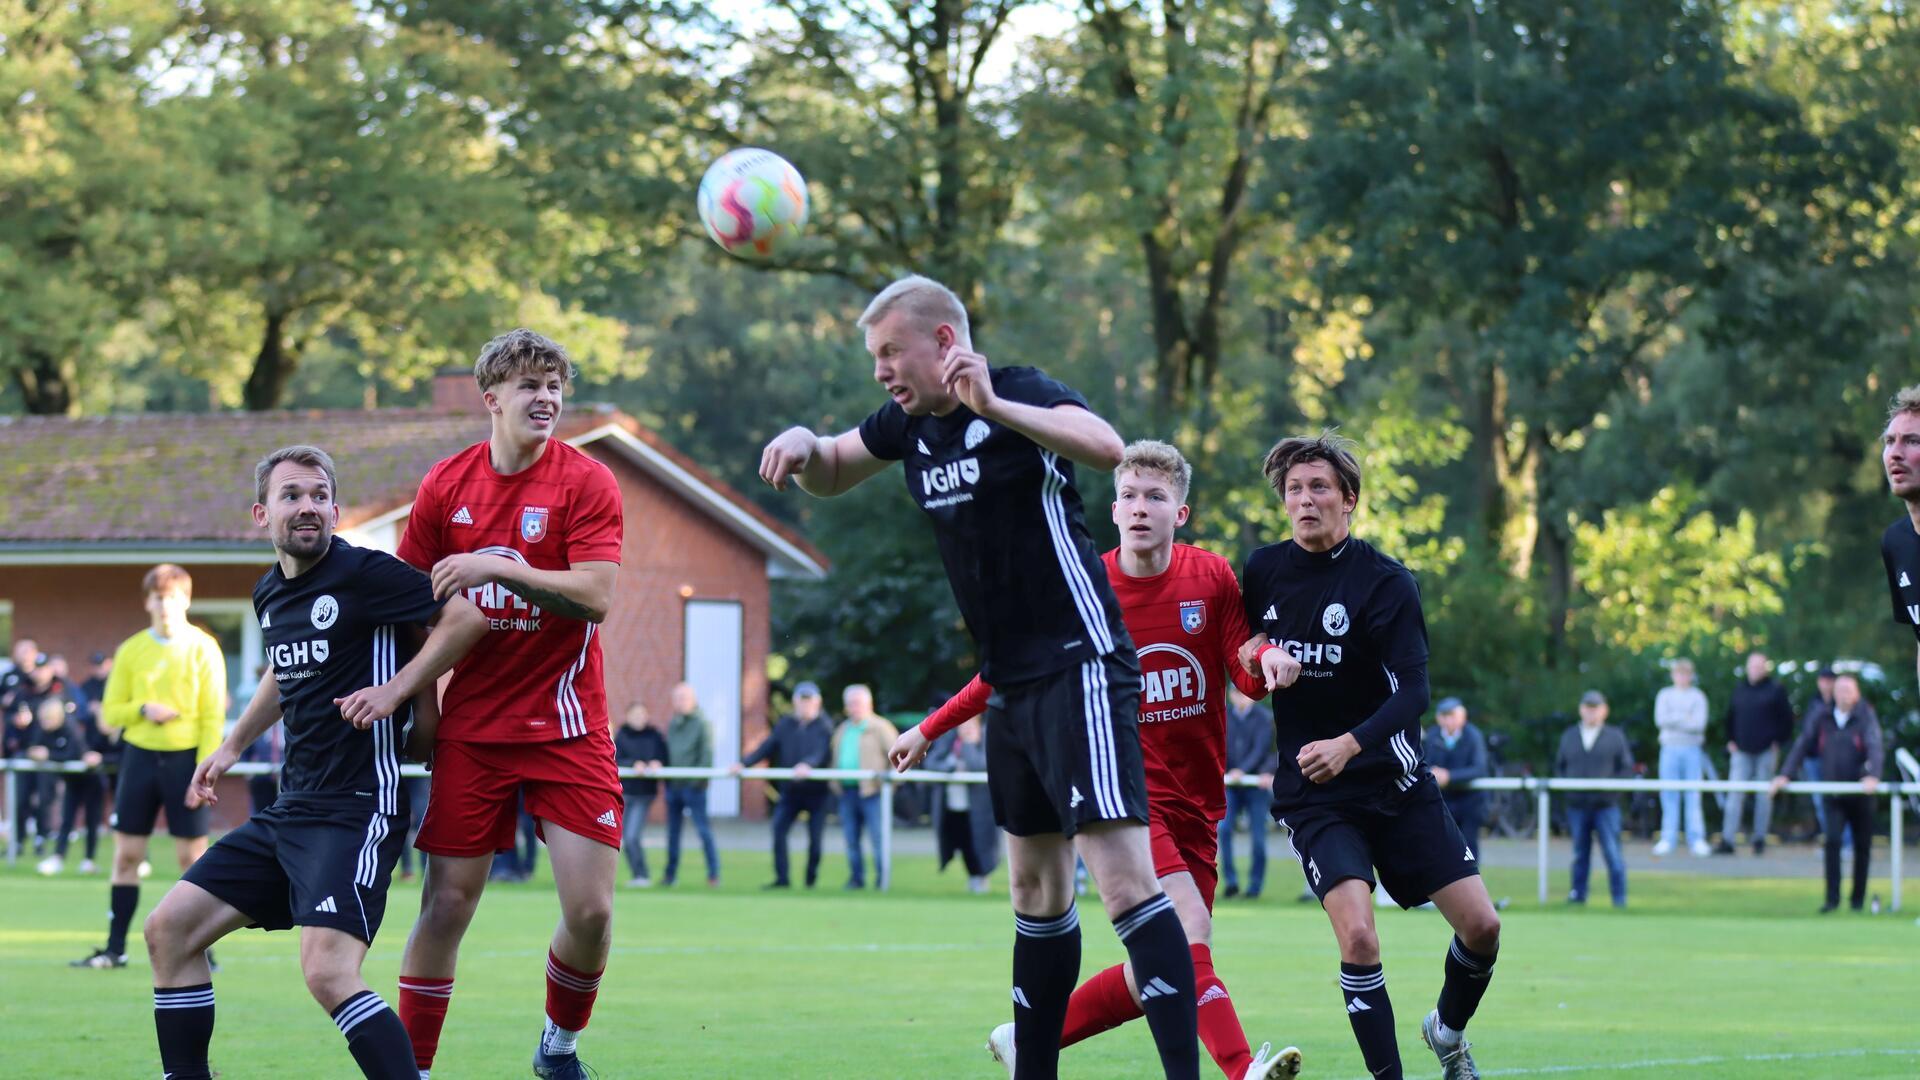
1060, 925
440, 988
356, 1009
1139, 916
193, 997
571, 981
1466, 959
1361, 985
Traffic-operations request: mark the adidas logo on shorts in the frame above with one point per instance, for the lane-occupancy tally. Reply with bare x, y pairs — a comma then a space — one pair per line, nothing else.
328, 906
607, 819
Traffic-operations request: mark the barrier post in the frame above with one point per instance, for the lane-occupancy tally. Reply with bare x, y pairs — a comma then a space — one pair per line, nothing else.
1899, 842
1543, 829
883, 878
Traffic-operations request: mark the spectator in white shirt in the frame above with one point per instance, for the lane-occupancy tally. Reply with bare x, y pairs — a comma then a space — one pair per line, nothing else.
1680, 712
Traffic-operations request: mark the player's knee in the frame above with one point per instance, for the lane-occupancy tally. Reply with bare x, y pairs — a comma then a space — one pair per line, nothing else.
449, 903
330, 983
163, 933
590, 920
1481, 932
1359, 945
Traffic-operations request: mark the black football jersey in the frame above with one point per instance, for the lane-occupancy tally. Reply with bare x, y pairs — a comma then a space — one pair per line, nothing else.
1900, 550
1352, 618
341, 626
1011, 531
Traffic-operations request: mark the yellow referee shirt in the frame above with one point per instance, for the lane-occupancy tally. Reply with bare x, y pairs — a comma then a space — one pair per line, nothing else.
186, 673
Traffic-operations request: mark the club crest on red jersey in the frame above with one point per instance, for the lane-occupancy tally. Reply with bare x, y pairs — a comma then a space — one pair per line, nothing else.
533, 524
1193, 615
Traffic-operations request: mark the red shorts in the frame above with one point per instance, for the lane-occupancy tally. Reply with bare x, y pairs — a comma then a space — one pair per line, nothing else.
1185, 842
472, 809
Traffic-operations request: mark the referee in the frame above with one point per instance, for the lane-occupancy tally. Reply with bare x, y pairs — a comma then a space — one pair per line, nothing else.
167, 698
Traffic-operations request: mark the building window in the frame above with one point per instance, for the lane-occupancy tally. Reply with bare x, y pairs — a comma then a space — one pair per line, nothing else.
6, 627
232, 624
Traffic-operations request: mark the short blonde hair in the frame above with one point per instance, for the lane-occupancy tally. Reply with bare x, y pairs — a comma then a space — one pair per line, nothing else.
929, 302
518, 351
1154, 456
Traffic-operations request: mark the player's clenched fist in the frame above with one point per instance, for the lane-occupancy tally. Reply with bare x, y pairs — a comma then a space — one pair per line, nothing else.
1322, 761
790, 451
367, 704
908, 750
467, 570
206, 775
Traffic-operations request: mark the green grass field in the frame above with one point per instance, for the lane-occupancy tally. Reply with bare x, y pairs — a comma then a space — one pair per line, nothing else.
1702, 978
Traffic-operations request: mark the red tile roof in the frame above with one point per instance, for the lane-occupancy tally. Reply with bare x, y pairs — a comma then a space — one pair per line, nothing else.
188, 477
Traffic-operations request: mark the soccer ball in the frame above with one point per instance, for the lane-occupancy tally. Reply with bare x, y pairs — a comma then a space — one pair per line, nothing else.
753, 202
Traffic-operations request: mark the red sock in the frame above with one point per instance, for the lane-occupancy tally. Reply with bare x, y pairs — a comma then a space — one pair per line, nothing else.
1220, 1028
423, 1010
1102, 1003
570, 994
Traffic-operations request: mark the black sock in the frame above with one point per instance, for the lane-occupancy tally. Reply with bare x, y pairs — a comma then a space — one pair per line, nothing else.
1467, 975
1046, 965
1364, 986
376, 1037
183, 1019
1163, 970
124, 899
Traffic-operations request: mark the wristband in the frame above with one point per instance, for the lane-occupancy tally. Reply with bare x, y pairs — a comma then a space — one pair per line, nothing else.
1260, 654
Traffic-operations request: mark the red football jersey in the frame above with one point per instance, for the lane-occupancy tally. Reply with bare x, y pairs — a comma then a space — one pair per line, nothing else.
1187, 625
535, 676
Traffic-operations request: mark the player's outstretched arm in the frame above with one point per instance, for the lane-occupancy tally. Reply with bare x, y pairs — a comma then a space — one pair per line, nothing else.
584, 590
261, 713
1068, 430
458, 629
822, 465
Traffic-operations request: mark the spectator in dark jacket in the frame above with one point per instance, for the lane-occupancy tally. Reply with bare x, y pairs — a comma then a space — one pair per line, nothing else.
1590, 750
1759, 720
689, 746
962, 814
1847, 740
637, 742
802, 741
1250, 752
57, 739
84, 793
1457, 754
1810, 768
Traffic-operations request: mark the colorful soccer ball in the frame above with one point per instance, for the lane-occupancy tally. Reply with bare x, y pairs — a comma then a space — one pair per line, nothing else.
753, 202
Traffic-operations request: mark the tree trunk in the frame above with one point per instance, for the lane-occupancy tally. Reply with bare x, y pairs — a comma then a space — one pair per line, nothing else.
273, 367
1552, 554
45, 384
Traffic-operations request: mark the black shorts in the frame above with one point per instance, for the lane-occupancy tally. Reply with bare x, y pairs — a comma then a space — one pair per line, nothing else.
150, 780
1410, 837
1064, 750
302, 865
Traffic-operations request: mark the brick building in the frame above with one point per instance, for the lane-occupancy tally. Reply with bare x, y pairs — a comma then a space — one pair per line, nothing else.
87, 505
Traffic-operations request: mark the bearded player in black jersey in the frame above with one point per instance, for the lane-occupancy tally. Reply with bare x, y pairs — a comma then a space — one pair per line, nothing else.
989, 456
1352, 786
335, 620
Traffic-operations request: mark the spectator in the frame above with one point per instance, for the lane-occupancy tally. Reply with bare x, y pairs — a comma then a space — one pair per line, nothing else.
263, 789
638, 743
85, 792
20, 736
861, 742
1810, 768
57, 739
689, 745
95, 684
1847, 740
1759, 720
802, 740
1590, 750
26, 657
1457, 754
1680, 712
1250, 752
962, 815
